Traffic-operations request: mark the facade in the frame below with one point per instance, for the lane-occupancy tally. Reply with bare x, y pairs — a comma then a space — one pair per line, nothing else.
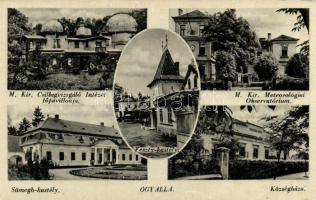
69, 143
190, 26
252, 140
83, 50
282, 48
173, 99
15, 153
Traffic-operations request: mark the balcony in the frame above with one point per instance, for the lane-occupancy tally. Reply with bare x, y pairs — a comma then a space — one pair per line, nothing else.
100, 49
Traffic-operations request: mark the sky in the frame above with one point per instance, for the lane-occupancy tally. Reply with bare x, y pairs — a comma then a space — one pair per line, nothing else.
260, 111
262, 20
43, 15
79, 113
140, 58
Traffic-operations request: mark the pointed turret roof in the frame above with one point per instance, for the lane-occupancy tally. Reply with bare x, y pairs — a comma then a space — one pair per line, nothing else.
167, 69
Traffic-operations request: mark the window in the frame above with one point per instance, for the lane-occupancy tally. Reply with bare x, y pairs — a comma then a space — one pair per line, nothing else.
38, 44
255, 152
202, 70
169, 115
92, 156
73, 156
284, 50
266, 153
202, 49
123, 156
195, 81
189, 84
61, 156
87, 44
76, 44
160, 115
182, 30
49, 155
130, 157
242, 152
201, 29
136, 157
56, 43
98, 44
83, 156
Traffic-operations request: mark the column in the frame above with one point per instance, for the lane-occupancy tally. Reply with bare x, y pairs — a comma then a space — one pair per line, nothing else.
102, 160
111, 154
116, 154
95, 155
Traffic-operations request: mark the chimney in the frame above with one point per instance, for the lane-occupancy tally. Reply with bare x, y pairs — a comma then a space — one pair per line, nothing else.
57, 116
269, 36
102, 123
180, 11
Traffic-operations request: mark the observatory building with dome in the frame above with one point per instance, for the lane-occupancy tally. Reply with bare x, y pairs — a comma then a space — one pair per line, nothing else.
84, 49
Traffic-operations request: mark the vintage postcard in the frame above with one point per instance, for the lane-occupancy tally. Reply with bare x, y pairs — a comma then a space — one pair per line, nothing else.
135, 99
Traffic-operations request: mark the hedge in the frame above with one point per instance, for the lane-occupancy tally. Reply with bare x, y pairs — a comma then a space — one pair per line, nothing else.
254, 169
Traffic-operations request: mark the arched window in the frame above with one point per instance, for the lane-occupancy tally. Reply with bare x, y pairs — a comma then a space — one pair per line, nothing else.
195, 81
189, 84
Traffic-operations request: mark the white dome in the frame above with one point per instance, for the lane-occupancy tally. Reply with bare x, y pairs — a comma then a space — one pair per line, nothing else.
52, 26
121, 23
83, 31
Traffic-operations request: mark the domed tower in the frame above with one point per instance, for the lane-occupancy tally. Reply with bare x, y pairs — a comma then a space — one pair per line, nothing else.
53, 31
83, 31
121, 27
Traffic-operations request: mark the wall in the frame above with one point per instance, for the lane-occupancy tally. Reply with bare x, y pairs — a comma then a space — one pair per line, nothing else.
164, 126
162, 88
127, 152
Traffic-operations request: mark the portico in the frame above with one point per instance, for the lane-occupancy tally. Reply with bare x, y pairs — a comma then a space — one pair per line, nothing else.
104, 152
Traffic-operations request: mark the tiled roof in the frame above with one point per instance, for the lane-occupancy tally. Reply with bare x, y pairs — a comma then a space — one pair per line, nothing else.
284, 38
61, 125
14, 144
193, 14
167, 70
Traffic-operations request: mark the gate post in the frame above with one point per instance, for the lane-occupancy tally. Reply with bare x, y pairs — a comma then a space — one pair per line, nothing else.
223, 155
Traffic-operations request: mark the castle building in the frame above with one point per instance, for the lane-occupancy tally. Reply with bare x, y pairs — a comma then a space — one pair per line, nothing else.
66, 51
70, 143
173, 98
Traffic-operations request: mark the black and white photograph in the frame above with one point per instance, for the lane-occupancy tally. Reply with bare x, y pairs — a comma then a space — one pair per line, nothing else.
68, 49
246, 142
156, 93
56, 142
248, 48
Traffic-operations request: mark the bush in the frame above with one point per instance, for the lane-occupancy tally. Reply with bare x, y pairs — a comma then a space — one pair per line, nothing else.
266, 67
292, 84
254, 169
297, 66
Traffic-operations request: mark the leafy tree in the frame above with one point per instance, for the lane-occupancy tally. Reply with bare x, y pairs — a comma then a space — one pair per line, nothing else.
290, 132
38, 65
17, 27
225, 67
141, 18
231, 34
37, 29
12, 130
266, 67
24, 125
38, 116
298, 66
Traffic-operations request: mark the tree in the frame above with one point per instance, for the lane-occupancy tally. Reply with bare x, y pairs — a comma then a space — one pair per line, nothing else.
298, 66
302, 21
38, 65
37, 116
140, 16
24, 125
17, 27
231, 34
12, 130
290, 132
225, 67
37, 29
266, 67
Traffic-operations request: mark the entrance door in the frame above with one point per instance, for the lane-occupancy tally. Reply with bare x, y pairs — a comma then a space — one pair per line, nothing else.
113, 156
100, 158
